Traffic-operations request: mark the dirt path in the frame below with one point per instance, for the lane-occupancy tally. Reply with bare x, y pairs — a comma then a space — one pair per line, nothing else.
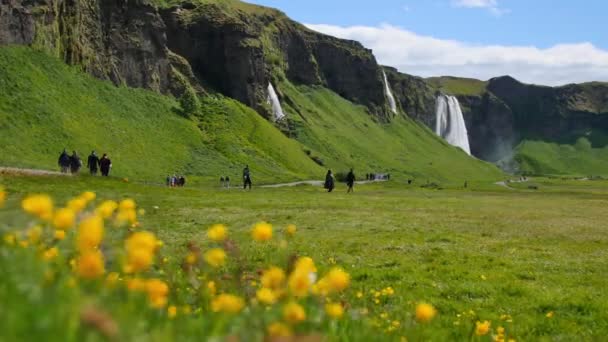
506, 183
29, 172
311, 182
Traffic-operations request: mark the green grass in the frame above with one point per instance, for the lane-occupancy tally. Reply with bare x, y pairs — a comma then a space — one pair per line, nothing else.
458, 85
492, 250
547, 158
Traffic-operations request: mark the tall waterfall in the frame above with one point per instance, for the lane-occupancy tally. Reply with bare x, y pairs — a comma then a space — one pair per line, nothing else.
450, 122
273, 100
389, 94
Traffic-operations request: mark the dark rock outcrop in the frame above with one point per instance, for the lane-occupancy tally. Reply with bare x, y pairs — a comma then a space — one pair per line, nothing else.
414, 95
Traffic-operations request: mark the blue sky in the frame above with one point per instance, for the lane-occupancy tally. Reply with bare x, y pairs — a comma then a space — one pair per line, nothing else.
566, 39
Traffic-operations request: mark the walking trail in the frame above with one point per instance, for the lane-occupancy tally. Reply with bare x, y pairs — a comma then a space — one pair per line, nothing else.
29, 172
506, 183
311, 182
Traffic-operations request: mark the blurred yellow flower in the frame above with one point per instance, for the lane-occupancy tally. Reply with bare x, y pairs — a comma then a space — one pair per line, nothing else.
266, 296
334, 310
215, 257
157, 291
126, 216
138, 260
299, 283
9, 239
77, 204
191, 258
262, 232
34, 234
2, 196
217, 233
136, 284
482, 328
273, 278
106, 209
294, 313
88, 196
211, 288
550, 314
141, 240
127, 204
50, 254
227, 303
305, 264
112, 278
172, 311
291, 230
64, 218
90, 233
279, 330
90, 265
425, 312
337, 279
39, 205
59, 234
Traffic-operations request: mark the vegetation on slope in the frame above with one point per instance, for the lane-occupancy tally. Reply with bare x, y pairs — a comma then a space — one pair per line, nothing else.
458, 85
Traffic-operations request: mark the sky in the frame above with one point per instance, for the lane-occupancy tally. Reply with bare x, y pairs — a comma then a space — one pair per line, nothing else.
551, 42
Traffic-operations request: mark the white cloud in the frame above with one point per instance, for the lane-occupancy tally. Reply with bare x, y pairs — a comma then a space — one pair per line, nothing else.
491, 5
427, 56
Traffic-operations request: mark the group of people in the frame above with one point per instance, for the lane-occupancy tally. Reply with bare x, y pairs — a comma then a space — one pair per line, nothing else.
377, 176
73, 163
175, 181
330, 181
225, 182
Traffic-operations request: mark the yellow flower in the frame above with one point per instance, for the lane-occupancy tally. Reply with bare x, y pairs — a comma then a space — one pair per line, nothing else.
2, 196
337, 279
299, 283
334, 310
215, 257
273, 278
425, 312
141, 240
88, 196
50, 254
262, 232
172, 311
157, 291
211, 288
77, 204
136, 284
217, 233
305, 264
39, 205
291, 230
227, 303
34, 234
294, 313
191, 258
482, 328
90, 265
9, 239
359, 294
279, 330
126, 216
139, 260
64, 218
266, 296
90, 233
550, 314
106, 209
127, 204
59, 234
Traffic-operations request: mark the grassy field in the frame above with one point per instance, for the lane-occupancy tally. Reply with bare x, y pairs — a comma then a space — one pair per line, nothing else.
531, 261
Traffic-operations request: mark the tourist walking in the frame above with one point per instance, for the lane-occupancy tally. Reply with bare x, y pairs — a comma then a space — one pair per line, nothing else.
227, 182
64, 161
246, 177
105, 164
75, 163
329, 181
350, 181
93, 163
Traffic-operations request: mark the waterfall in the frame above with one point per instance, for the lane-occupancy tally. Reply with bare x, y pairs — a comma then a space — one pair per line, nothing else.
389, 94
450, 122
273, 100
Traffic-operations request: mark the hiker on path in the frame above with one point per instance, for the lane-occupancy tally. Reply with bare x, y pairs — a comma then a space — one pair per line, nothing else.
246, 177
329, 181
227, 182
93, 163
105, 164
222, 182
75, 162
64, 161
350, 180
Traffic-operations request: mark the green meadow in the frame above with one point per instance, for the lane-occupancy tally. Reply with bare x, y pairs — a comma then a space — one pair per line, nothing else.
531, 261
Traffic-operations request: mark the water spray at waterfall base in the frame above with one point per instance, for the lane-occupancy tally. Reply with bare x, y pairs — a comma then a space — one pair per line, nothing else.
450, 123
273, 101
389, 94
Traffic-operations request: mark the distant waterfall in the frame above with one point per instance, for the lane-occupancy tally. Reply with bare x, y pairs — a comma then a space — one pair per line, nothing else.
273, 100
389, 94
450, 122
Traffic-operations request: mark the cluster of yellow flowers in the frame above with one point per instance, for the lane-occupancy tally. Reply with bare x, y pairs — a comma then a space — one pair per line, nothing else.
216, 278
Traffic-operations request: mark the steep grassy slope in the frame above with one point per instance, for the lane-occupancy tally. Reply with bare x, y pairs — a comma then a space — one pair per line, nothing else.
46, 106
344, 135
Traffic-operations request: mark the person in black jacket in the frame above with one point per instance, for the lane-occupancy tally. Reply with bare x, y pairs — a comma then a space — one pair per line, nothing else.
105, 164
64, 161
93, 163
329, 181
75, 163
246, 178
350, 181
